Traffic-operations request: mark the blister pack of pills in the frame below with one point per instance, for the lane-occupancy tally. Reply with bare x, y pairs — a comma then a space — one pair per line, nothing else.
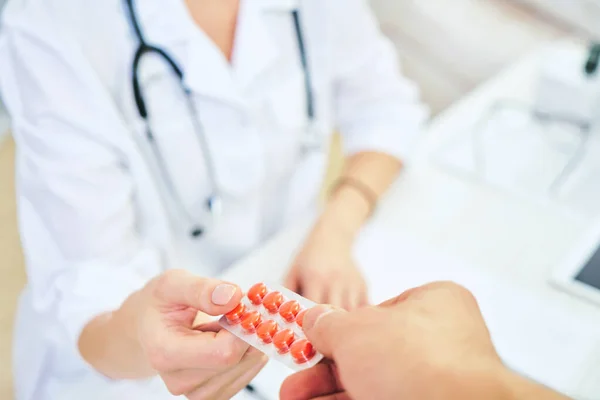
270, 318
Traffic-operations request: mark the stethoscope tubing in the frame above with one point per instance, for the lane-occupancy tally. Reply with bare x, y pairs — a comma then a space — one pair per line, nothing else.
214, 201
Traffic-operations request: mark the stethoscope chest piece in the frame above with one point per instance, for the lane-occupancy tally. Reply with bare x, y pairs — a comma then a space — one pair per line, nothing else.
196, 232
213, 208
214, 205
312, 140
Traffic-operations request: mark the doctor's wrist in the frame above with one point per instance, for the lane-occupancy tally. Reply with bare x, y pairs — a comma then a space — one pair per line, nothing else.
346, 211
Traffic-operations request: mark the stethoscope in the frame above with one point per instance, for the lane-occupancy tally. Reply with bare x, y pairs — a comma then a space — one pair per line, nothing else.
214, 202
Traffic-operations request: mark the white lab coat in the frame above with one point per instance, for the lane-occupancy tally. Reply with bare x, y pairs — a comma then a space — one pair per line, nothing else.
94, 220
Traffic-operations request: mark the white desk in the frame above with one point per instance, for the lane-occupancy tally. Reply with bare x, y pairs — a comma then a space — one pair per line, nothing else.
498, 238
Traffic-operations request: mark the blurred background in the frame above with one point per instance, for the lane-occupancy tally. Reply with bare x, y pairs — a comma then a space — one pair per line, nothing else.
448, 47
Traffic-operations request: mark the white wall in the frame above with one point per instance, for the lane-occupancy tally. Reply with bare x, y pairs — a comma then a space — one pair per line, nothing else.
582, 14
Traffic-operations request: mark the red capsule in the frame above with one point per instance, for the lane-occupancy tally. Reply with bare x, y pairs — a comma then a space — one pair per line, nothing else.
273, 301
283, 340
266, 330
250, 321
302, 351
234, 316
257, 293
300, 318
289, 310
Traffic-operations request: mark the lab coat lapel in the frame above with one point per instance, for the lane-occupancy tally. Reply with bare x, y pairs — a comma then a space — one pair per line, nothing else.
206, 70
208, 73
256, 51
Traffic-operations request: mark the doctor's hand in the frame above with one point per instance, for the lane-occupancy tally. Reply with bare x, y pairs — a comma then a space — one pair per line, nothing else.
168, 321
324, 270
430, 342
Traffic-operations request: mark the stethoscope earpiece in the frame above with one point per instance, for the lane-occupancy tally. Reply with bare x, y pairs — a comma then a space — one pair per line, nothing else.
213, 205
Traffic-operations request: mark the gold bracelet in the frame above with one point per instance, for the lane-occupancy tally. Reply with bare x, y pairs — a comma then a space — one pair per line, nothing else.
369, 194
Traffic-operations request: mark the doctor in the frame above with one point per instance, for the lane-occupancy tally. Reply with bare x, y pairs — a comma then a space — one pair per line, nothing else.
156, 135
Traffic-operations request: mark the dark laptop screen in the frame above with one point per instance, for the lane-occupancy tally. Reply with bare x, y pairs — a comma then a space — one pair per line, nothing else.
590, 274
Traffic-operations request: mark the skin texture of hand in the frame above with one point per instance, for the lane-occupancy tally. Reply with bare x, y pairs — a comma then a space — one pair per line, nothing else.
324, 270
428, 343
170, 333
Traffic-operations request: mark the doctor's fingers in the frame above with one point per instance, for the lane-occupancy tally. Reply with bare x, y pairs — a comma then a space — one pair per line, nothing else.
211, 296
355, 295
349, 294
314, 289
351, 298
180, 349
211, 384
335, 295
292, 280
226, 385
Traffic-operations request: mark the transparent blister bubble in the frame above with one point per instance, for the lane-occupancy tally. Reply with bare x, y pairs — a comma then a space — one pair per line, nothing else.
269, 318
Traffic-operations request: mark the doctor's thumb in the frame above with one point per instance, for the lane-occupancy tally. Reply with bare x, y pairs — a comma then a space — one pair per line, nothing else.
324, 325
210, 296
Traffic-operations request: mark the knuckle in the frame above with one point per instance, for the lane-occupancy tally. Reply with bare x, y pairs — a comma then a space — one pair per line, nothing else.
468, 296
160, 357
322, 275
198, 286
458, 291
461, 290
228, 357
262, 359
176, 387
176, 390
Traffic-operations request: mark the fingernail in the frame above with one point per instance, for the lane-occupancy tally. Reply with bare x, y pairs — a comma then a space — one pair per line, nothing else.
223, 294
313, 315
